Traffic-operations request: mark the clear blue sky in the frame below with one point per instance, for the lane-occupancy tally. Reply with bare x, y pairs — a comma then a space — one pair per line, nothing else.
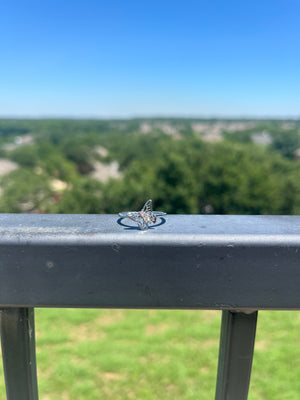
137, 58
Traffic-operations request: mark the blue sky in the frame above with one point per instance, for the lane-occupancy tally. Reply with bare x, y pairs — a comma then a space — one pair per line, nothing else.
137, 58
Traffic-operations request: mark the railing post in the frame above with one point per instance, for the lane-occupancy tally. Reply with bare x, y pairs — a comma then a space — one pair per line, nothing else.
18, 353
235, 355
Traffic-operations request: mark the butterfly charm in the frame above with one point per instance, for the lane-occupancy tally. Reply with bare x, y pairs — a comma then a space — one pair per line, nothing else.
145, 217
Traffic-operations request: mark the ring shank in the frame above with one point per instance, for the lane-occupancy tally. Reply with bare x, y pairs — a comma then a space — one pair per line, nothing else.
124, 214
155, 213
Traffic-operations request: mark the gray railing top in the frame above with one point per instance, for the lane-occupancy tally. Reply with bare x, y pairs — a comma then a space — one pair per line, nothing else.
194, 261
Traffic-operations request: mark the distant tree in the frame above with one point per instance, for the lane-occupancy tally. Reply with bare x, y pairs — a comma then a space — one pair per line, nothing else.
78, 153
176, 186
286, 143
132, 190
55, 164
181, 176
26, 155
24, 191
239, 136
196, 177
83, 198
246, 179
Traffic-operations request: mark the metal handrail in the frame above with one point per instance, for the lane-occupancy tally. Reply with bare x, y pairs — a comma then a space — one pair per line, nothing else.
238, 264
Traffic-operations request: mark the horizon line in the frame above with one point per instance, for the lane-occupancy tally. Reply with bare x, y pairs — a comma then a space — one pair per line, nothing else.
150, 116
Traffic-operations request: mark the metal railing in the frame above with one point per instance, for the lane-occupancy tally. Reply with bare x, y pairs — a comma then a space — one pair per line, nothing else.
238, 264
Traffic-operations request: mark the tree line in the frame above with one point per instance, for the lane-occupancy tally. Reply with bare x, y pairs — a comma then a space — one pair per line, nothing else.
186, 175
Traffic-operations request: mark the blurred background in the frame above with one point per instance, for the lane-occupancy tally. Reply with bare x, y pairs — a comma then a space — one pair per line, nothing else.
194, 104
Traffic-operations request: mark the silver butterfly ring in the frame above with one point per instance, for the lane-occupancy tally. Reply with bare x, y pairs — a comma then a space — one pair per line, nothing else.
145, 217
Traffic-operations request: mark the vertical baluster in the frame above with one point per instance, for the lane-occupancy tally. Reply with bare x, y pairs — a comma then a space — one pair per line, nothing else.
18, 353
235, 355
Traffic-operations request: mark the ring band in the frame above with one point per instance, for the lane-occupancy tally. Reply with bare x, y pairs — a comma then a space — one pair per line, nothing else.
126, 214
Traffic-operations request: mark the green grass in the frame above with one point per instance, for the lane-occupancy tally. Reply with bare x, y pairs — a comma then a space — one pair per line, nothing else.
129, 354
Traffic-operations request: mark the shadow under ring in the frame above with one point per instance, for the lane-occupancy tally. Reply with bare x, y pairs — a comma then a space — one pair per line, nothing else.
163, 221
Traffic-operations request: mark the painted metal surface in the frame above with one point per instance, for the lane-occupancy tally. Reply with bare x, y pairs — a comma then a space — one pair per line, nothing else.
195, 261
18, 353
235, 355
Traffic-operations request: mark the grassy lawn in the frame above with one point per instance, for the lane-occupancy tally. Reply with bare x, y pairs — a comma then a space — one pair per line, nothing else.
129, 354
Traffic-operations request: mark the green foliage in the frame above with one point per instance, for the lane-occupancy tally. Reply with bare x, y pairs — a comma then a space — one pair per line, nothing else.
132, 147
12, 128
83, 198
26, 156
181, 175
79, 154
240, 179
176, 187
54, 163
191, 176
130, 192
23, 191
286, 142
239, 137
